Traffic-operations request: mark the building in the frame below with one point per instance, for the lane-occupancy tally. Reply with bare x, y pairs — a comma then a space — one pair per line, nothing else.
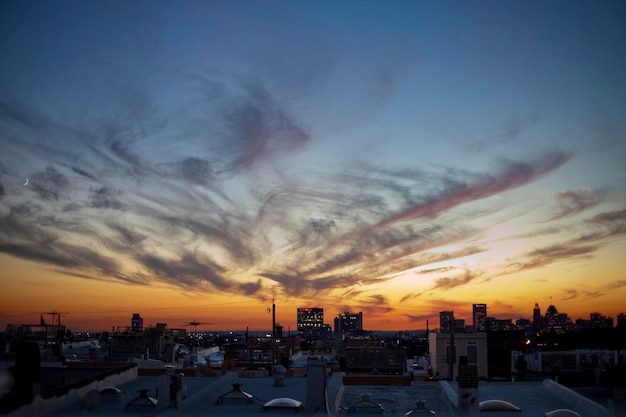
136, 323
373, 360
471, 345
348, 324
446, 320
479, 316
598, 321
144, 344
556, 322
310, 321
538, 321
257, 353
494, 324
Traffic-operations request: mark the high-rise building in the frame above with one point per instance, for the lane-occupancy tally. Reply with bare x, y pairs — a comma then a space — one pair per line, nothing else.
479, 312
349, 323
136, 323
310, 320
446, 319
538, 320
598, 321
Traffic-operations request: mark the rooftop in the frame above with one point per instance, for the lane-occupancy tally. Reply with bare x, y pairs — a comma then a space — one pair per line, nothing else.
533, 398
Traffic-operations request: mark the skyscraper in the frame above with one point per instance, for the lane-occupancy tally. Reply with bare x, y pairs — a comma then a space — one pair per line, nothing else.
136, 323
479, 317
349, 323
536, 314
446, 319
310, 320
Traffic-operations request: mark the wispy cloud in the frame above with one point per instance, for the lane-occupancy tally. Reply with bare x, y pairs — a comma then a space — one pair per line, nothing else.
213, 206
574, 201
545, 256
456, 281
607, 224
434, 270
420, 318
586, 293
512, 174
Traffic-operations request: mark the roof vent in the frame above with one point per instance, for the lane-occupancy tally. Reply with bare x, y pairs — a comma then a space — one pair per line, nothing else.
279, 372
236, 396
420, 410
144, 400
366, 406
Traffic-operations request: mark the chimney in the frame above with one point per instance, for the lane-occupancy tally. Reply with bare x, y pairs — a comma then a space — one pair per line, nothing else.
273, 318
316, 386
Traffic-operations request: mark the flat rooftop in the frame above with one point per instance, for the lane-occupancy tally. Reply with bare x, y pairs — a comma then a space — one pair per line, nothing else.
531, 397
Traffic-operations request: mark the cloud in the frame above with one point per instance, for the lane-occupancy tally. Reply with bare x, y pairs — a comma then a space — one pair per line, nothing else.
451, 282
502, 133
569, 294
435, 270
375, 304
188, 270
609, 223
617, 284
417, 318
196, 197
542, 257
573, 294
194, 170
105, 198
258, 128
587, 294
49, 184
65, 256
513, 174
83, 173
575, 201
551, 230
603, 225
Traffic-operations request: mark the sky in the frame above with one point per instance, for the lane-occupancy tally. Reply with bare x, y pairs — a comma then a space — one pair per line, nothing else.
195, 160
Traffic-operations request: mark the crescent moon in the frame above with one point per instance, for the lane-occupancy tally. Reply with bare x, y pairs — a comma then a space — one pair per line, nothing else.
26, 183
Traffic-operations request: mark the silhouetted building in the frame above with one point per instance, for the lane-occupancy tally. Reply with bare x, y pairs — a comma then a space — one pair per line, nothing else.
136, 323
310, 322
556, 322
495, 324
537, 318
151, 344
372, 357
598, 321
446, 318
479, 313
459, 325
255, 352
524, 324
348, 323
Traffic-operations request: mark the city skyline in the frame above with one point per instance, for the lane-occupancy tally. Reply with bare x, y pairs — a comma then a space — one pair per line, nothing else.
196, 161
136, 321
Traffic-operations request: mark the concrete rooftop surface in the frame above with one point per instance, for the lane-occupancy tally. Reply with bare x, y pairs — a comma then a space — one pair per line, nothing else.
534, 398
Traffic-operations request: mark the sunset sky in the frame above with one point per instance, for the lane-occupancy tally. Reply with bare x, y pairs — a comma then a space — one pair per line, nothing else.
191, 160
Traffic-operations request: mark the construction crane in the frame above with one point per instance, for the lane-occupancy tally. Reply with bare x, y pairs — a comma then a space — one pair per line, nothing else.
194, 325
56, 316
